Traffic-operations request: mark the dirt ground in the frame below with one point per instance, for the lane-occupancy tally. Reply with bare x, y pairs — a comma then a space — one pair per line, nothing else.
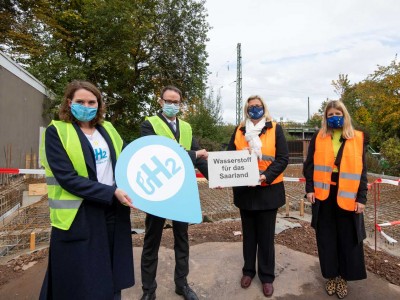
299, 239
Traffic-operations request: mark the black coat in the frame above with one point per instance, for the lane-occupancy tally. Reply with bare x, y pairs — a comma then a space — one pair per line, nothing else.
82, 264
147, 129
308, 172
270, 196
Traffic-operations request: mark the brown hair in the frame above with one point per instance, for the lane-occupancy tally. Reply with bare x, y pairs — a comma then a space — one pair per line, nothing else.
65, 110
348, 130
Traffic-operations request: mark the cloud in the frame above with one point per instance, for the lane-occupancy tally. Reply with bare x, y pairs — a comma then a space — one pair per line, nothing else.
293, 49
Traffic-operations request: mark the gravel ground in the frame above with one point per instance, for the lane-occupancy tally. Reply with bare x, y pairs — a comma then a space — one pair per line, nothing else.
299, 239
217, 205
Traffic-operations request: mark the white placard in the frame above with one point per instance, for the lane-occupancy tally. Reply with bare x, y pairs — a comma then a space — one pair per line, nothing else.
232, 168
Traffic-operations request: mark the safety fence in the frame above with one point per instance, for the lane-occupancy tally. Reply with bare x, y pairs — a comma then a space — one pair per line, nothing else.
386, 199
382, 212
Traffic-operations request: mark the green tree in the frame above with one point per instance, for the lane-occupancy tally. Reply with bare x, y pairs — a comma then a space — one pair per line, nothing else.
341, 85
315, 120
390, 151
205, 117
129, 49
379, 96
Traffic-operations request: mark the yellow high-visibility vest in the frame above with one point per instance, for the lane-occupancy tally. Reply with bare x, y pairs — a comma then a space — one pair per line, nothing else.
161, 128
64, 205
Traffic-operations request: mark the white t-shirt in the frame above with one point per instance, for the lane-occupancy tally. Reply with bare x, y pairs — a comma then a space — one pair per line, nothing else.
102, 157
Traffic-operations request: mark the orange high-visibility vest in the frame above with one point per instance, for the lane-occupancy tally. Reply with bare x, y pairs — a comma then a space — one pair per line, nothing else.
350, 169
267, 149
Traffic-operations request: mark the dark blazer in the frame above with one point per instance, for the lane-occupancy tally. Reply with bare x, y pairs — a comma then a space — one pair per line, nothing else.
147, 129
82, 264
270, 196
308, 172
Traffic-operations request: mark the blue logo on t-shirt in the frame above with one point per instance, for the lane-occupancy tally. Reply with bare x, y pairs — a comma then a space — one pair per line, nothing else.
99, 154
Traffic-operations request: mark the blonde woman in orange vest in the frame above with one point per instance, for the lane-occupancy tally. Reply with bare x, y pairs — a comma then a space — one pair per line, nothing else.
259, 204
336, 185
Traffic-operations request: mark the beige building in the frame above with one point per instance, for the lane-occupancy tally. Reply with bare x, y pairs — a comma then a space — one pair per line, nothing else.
22, 98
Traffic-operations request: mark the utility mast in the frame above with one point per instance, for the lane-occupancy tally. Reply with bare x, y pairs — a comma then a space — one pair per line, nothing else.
239, 86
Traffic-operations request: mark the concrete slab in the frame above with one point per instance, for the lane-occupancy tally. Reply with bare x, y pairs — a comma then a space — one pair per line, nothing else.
28, 200
283, 224
215, 272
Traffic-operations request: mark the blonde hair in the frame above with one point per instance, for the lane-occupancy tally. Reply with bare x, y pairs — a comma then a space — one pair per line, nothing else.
348, 130
246, 116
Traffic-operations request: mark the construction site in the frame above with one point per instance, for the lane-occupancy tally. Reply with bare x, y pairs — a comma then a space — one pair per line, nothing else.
25, 233
25, 223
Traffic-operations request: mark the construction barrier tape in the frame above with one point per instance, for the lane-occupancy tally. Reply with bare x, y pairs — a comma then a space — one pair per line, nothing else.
388, 238
22, 171
389, 223
199, 175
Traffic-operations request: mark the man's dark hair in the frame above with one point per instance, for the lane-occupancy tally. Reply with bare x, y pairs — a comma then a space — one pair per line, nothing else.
170, 88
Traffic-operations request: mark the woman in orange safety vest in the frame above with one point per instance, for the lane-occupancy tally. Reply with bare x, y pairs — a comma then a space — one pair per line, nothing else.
259, 204
336, 185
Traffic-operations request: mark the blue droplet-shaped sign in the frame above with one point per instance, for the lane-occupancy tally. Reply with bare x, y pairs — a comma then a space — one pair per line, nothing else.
158, 174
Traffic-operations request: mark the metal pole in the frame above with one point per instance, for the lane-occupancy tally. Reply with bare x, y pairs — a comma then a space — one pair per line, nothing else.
239, 86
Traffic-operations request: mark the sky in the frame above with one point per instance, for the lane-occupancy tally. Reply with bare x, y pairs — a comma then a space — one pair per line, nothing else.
292, 49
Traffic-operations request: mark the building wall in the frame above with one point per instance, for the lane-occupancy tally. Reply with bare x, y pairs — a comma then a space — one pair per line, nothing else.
21, 107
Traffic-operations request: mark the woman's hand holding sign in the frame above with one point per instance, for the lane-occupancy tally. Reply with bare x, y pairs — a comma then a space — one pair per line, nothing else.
262, 178
123, 198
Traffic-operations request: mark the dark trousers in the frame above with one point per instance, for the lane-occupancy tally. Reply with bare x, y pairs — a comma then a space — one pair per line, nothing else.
338, 248
152, 240
258, 228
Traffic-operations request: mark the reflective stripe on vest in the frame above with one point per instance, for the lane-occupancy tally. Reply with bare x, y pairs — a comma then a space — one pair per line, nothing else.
268, 149
161, 128
349, 170
64, 205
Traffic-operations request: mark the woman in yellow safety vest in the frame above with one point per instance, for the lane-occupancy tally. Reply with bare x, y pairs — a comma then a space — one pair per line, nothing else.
90, 254
336, 185
259, 204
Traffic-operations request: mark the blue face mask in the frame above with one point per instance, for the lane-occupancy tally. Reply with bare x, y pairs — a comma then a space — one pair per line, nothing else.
335, 122
170, 110
255, 112
83, 113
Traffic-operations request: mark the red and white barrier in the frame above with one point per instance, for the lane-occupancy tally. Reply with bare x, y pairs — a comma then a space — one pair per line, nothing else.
389, 223
387, 181
377, 200
388, 238
293, 179
287, 179
22, 171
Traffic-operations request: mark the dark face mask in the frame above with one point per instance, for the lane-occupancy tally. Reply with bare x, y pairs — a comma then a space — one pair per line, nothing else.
255, 112
335, 122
